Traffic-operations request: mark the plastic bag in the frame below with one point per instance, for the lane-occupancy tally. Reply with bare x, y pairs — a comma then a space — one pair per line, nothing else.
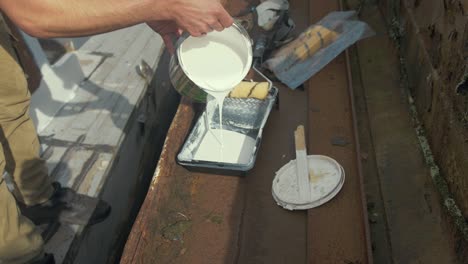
299, 60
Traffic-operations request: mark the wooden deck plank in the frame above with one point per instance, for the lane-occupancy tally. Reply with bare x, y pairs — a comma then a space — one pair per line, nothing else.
97, 42
91, 115
116, 47
121, 35
127, 180
54, 158
121, 103
134, 93
89, 92
96, 175
93, 43
79, 152
117, 84
124, 66
67, 172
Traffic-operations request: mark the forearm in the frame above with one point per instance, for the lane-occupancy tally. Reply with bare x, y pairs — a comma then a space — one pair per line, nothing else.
68, 18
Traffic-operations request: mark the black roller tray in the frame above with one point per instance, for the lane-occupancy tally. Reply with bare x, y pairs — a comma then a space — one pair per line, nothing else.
246, 116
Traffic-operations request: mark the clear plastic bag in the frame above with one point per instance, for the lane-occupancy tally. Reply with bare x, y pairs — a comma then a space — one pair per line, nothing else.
299, 60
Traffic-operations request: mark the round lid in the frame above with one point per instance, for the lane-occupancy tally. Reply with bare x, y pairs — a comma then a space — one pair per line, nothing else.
326, 178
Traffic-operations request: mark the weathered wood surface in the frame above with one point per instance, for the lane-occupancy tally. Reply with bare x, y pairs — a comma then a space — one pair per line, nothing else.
83, 141
192, 217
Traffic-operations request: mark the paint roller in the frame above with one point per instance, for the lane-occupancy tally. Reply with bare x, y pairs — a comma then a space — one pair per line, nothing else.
297, 61
246, 89
309, 43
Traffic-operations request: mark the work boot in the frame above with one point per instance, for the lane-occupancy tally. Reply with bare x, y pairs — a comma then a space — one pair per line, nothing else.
68, 207
47, 259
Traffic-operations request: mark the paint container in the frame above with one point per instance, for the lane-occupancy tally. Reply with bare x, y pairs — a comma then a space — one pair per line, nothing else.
247, 116
326, 179
183, 84
186, 81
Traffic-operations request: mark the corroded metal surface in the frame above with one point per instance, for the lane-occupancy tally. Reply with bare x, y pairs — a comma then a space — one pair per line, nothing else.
159, 215
412, 207
205, 218
337, 231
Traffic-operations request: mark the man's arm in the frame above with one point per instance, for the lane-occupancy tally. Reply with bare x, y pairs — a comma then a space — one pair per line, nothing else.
70, 18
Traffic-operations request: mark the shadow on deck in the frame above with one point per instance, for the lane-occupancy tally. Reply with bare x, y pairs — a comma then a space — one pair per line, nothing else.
96, 145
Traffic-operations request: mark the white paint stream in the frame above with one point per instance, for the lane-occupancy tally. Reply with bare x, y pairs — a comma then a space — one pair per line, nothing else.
218, 62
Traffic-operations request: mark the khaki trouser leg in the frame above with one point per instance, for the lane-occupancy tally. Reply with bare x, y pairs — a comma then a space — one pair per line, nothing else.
20, 241
18, 134
19, 155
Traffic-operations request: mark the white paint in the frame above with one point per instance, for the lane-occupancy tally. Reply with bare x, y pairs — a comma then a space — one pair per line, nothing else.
237, 148
218, 61
326, 180
218, 97
302, 174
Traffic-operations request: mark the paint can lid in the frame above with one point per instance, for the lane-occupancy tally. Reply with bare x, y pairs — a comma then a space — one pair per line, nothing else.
326, 178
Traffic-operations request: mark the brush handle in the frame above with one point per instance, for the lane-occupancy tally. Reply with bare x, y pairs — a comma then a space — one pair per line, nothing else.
299, 136
302, 164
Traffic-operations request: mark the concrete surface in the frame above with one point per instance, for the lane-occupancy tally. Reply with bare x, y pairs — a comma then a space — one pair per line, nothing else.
408, 223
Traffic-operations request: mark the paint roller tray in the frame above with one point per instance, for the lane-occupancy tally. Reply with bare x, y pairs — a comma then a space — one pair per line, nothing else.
246, 116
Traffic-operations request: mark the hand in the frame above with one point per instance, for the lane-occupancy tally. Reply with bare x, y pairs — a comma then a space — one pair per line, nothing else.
168, 30
199, 17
